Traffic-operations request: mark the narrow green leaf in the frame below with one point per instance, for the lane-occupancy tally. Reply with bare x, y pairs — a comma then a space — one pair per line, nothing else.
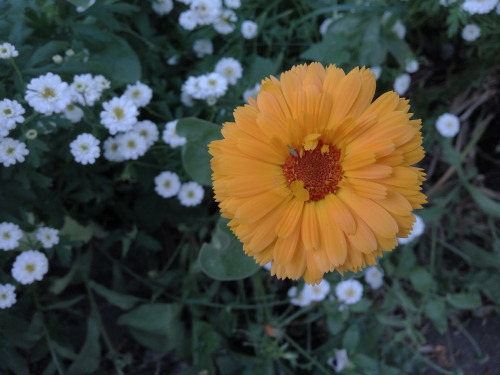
435, 310
351, 337
123, 301
89, 357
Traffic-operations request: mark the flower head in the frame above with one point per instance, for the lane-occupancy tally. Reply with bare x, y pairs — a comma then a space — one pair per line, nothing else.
7, 295
170, 135
402, 83
167, 184
47, 236
73, 113
85, 148
314, 176
374, 277
85, 90
139, 94
230, 69
148, 130
298, 298
119, 115
29, 266
10, 234
12, 151
448, 125
162, 7
471, 32
349, 291
205, 11
190, 194
11, 113
249, 29
48, 94
479, 6
202, 47
132, 145
224, 23
7, 51
112, 149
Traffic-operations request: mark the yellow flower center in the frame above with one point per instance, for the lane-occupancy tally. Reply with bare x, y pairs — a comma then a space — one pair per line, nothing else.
119, 114
6, 235
318, 169
7, 111
48, 93
30, 267
3, 296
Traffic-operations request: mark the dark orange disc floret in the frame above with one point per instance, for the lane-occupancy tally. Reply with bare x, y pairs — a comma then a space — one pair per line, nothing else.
319, 169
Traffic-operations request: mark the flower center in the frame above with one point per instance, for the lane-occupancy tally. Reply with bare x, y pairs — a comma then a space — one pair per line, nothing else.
6, 235
318, 169
30, 267
3, 296
7, 111
48, 93
119, 114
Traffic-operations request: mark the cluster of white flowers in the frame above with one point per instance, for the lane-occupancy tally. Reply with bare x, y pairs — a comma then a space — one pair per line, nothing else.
168, 184
8, 51
448, 125
86, 89
417, 231
309, 293
10, 234
12, 151
212, 86
29, 266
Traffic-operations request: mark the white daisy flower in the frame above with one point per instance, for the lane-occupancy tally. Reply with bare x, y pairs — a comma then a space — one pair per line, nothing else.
479, 6
188, 20
192, 87
7, 51
170, 135
7, 295
298, 299
11, 113
213, 84
317, 292
48, 94
340, 361
119, 115
167, 184
132, 145
139, 94
249, 29
10, 234
148, 130
417, 231
190, 194
205, 11
471, 32
230, 69
251, 92
377, 70
162, 7
12, 151
73, 113
234, 4
85, 149
224, 23
349, 291
29, 266
448, 125
85, 90
202, 47
374, 277
402, 83
412, 66
101, 83
47, 236
112, 150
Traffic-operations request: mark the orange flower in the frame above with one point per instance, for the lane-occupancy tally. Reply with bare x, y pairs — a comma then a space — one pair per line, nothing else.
314, 176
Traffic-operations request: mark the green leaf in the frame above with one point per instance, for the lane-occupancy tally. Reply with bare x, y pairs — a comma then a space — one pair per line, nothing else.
89, 357
223, 258
123, 301
464, 301
10, 359
435, 310
335, 321
351, 338
195, 156
75, 231
421, 280
480, 257
261, 68
58, 285
44, 54
156, 326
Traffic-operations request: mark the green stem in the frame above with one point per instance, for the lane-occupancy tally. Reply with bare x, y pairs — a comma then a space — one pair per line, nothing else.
53, 354
294, 316
102, 329
306, 354
480, 129
18, 72
433, 249
468, 336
